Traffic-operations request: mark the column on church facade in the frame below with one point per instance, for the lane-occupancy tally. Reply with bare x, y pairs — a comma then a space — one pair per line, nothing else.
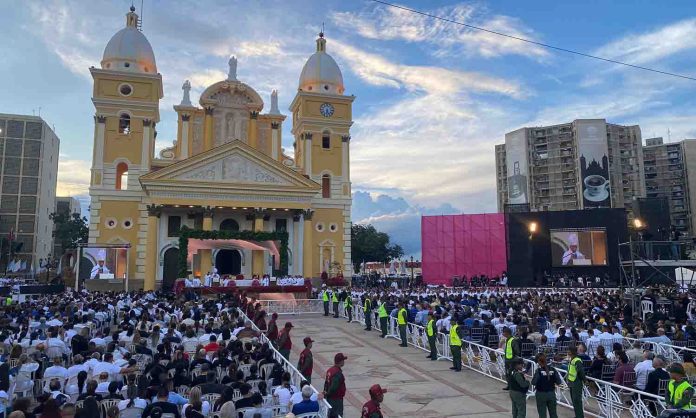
98, 161
345, 172
184, 146
253, 129
275, 140
151, 261
206, 256
308, 153
257, 257
208, 129
307, 247
298, 223
145, 156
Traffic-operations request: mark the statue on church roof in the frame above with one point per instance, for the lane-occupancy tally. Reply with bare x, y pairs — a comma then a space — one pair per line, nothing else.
186, 100
274, 103
232, 74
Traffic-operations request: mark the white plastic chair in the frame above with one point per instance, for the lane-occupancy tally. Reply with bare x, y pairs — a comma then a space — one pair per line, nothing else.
646, 307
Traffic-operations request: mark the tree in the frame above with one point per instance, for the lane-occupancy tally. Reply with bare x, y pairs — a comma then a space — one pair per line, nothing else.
368, 244
70, 229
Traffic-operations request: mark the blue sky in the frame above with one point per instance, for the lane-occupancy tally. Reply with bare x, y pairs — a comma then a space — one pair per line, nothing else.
432, 98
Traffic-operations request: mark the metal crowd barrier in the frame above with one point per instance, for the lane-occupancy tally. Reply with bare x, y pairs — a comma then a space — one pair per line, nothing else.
600, 398
295, 376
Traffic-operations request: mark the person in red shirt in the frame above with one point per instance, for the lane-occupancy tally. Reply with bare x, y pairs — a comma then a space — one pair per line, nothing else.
272, 333
212, 346
306, 362
284, 341
371, 408
335, 386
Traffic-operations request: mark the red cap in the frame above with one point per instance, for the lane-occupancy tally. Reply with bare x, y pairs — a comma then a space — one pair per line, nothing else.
377, 390
289, 325
275, 315
307, 340
339, 358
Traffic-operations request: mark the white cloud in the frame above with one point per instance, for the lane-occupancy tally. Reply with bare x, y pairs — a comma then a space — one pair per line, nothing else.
73, 177
377, 70
652, 46
447, 38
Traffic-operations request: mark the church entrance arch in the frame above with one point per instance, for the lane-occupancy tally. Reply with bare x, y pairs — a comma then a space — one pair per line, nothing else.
228, 262
170, 269
229, 225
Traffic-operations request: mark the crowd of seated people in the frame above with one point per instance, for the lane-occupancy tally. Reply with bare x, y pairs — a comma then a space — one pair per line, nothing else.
95, 355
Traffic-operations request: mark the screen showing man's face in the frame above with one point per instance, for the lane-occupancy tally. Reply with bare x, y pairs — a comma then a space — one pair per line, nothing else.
101, 263
573, 248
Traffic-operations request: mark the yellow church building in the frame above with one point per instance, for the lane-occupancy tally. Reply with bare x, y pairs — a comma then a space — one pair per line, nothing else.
226, 170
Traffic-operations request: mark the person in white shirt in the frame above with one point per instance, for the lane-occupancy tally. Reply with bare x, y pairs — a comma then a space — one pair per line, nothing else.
107, 366
56, 371
92, 362
297, 396
644, 368
103, 386
100, 268
196, 282
208, 280
133, 400
284, 392
73, 371
188, 282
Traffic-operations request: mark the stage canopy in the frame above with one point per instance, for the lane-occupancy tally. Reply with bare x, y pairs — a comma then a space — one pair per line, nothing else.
194, 245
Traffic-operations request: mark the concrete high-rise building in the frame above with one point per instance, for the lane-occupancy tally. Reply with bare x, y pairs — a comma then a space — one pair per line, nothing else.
28, 169
66, 205
583, 164
670, 171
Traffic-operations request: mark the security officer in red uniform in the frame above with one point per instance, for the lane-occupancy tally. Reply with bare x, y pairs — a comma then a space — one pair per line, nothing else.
335, 386
306, 362
371, 408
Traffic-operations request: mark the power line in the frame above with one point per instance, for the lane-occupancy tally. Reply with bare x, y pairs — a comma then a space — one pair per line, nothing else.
529, 41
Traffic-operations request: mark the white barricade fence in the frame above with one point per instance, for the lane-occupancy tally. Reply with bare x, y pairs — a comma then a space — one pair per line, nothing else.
295, 376
670, 351
292, 307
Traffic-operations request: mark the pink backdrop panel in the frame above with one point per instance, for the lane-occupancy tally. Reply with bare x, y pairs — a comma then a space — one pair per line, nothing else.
462, 245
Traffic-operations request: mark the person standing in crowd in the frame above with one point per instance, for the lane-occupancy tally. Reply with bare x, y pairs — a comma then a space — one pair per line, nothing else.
284, 341
383, 316
576, 380
456, 347
272, 332
325, 299
349, 306
306, 361
513, 349
402, 320
431, 332
367, 310
518, 389
372, 409
335, 386
334, 302
545, 380
679, 391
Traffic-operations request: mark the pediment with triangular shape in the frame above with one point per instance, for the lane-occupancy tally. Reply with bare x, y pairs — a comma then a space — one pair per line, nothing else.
231, 164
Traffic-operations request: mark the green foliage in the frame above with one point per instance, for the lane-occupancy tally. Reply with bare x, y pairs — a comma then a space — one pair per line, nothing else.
185, 233
368, 244
70, 229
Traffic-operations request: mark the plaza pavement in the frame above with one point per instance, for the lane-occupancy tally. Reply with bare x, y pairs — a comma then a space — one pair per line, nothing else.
418, 387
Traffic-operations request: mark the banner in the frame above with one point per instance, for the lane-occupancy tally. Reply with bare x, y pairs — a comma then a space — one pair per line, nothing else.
594, 163
517, 168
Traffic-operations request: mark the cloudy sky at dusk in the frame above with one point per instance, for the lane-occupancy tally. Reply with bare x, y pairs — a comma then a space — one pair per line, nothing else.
433, 98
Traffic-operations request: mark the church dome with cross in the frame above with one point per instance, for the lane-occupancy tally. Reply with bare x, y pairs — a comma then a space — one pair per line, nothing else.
129, 49
320, 73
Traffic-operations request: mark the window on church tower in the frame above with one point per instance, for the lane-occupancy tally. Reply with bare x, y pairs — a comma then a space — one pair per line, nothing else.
124, 124
122, 176
326, 186
326, 140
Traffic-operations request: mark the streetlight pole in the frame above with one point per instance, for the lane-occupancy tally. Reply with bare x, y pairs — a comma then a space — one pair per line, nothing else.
411, 285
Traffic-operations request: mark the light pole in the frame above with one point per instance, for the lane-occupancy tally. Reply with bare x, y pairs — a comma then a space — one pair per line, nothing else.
411, 285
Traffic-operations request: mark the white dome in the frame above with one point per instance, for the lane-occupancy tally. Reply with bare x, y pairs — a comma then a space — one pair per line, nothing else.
129, 49
321, 73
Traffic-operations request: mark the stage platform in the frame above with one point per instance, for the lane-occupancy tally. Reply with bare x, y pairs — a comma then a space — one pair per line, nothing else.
116, 285
299, 292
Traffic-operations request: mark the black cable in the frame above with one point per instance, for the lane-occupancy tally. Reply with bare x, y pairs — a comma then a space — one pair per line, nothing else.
570, 51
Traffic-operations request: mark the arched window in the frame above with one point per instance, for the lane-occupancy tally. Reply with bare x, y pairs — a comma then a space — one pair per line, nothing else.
122, 176
326, 186
124, 123
229, 225
326, 140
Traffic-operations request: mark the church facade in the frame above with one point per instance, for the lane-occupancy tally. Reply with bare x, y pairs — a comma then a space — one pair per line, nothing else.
226, 170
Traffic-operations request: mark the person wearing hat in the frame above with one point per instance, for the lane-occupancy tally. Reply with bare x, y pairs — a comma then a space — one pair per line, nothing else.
272, 330
371, 408
513, 349
284, 341
334, 302
456, 347
431, 332
367, 309
518, 389
335, 386
572, 252
325, 299
576, 380
100, 268
306, 361
679, 391
349, 306
402, 320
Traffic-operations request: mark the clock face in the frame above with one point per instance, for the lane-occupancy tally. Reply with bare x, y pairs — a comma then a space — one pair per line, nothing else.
326, 110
